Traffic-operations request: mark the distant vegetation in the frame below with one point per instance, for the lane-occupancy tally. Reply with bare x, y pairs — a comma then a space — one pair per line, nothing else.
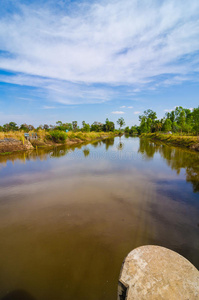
96, 126
60, 132
180, 121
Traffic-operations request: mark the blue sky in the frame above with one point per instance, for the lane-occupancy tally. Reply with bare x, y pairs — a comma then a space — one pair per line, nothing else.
92, 60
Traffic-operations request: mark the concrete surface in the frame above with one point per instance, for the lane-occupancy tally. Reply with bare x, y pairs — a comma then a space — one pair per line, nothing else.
153, 272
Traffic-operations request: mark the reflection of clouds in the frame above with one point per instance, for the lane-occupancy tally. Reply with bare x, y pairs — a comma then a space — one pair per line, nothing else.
3, 165
176, 158
74, 208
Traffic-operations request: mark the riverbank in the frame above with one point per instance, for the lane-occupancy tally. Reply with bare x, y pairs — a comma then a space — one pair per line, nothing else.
190, 142
11, 142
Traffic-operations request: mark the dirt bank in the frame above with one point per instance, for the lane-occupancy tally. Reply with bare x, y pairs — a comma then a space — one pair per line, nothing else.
10, 145
190, 142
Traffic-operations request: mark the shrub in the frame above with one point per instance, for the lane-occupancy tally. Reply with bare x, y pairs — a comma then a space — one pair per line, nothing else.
58, 136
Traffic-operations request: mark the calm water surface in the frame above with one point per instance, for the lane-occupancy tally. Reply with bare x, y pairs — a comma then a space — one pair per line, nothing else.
68, 217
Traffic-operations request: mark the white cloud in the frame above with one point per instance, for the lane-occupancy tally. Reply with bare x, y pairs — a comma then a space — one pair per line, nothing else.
130, 107
168, 110
48, 107
136, 112
109, 42
122, 106
118, 112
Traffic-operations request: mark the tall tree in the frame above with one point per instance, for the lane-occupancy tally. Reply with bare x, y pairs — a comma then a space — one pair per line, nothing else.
195, 115
120, 122
109, 125
167, 126
148, 121
180, 117
74, 124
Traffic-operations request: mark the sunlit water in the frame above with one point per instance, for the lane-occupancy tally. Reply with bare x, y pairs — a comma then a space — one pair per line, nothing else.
68, 217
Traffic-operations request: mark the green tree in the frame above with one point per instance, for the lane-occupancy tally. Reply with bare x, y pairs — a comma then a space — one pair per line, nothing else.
134, 130
24, 127
97, 126
158, 125
74, 124
180, 117
63, 126
46, 126
127, 130
120, 122
143, 124
147, 121
109, 125
12, 126
167, 126
150, 114
195, 115
85, 127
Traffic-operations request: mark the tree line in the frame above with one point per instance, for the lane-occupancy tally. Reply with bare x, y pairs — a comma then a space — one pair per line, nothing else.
181, 120
60, 126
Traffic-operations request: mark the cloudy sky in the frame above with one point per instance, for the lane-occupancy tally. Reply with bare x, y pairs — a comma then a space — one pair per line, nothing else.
89, 60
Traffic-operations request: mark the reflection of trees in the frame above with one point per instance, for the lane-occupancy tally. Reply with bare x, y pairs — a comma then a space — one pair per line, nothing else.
147, 148
39, 153
120, 145
86, 152
57, 152
108, 142
176, 158
95, 144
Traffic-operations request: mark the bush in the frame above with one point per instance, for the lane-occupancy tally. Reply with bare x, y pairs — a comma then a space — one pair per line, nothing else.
58, 136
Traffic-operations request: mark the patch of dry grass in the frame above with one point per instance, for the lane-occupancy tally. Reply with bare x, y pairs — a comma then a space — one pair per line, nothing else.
174, 139
44, 135
12, 135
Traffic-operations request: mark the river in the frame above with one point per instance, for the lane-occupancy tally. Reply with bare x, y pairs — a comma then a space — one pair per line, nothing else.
69, 216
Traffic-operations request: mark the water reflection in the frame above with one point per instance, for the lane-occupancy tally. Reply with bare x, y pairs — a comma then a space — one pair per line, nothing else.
109, 143
54, 152
69, 215
120, 145
18, 295
176, 158
86, 152
147, 148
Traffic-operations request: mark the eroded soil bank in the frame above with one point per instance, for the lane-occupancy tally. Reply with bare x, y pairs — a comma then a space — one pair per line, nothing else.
10, 145
190, 142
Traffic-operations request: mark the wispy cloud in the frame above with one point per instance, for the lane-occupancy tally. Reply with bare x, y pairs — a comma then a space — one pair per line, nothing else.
118, 112
49, 107
168, 110
126, 106
140, 44
171, 109
136, 112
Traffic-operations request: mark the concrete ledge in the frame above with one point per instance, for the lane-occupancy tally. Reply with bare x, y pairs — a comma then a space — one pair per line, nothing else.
153, 272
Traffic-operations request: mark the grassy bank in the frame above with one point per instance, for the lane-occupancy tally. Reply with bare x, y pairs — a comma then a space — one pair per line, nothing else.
191, 142
50, 138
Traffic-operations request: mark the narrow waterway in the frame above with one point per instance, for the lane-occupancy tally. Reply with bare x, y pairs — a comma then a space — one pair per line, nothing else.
69, 216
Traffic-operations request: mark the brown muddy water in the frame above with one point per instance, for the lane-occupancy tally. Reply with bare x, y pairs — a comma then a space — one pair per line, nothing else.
69, 216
